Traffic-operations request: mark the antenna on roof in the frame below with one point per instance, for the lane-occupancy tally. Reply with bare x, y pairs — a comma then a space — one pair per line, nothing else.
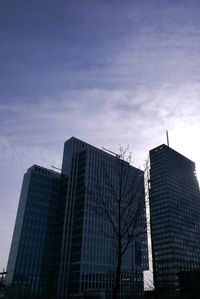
167, 138
111, 152
56, 167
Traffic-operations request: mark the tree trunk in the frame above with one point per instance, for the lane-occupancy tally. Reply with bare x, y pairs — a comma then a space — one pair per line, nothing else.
116, 287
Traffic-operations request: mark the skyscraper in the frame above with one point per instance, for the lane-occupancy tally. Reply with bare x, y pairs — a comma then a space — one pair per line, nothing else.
31, 264
175, 217
74, 251
88, 255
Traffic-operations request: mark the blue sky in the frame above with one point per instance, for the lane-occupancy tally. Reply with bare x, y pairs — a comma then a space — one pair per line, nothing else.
109, 72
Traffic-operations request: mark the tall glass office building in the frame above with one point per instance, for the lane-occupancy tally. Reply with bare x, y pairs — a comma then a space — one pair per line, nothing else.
175, 217
89, 249
32, 260
62, 245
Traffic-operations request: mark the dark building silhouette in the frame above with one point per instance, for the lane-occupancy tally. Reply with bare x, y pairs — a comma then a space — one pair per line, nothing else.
61, 247
190, 283
88, 254
175, 217
32, 260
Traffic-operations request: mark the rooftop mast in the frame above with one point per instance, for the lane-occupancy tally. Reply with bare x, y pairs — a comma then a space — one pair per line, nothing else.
111, 152
167, 138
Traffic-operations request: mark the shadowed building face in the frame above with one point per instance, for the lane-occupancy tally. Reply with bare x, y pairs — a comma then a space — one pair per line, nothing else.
62, 245
33, 258
175, 216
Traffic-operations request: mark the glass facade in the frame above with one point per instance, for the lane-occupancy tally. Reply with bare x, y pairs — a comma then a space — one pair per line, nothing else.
175, 216
62, 245
90, 258
31, 265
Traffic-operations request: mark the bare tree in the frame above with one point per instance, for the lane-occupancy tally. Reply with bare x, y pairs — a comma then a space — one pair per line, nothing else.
119, 198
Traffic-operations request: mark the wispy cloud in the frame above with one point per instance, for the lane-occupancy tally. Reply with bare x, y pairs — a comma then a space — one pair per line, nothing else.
104, 116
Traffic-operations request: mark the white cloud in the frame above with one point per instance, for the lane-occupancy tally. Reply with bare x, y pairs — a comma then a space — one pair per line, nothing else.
103, 117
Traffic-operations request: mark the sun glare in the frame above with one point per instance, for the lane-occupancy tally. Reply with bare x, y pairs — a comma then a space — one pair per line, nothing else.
184, 139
